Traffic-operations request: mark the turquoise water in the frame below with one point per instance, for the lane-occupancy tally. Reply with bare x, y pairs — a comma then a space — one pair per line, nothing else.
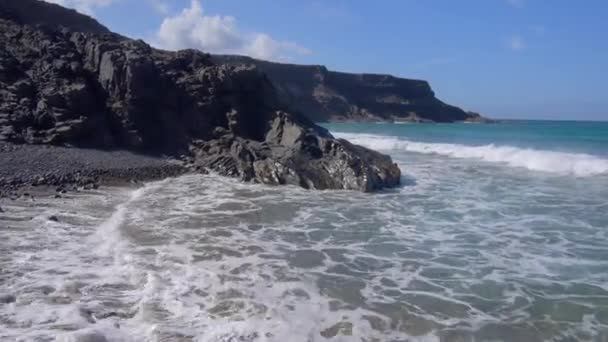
499, 233
558, 147
565, 136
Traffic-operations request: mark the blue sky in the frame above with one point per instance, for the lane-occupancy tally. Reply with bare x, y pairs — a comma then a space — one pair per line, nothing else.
542, 59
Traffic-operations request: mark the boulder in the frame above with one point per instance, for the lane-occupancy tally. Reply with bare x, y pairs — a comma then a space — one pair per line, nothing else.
291, 154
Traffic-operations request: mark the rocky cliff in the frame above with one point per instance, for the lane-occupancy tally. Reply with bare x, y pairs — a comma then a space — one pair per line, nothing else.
324, 95
28, 12
66, 80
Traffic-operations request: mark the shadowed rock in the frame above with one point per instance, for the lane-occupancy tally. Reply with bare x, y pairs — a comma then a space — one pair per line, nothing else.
28, 12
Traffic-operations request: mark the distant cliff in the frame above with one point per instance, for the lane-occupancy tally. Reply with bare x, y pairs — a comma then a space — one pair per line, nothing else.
324, 95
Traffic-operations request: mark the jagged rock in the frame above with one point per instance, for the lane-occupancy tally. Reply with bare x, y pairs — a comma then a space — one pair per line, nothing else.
92, 88
42, 13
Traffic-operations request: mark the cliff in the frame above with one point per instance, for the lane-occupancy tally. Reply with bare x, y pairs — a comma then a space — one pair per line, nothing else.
66, 80
28, 12
324, 95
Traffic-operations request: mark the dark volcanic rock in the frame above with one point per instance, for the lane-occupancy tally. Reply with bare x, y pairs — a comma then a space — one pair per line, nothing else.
30, 12
63, 86
324, 95
293, 153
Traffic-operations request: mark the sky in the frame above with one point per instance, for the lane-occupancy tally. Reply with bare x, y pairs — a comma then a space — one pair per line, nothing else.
534, 59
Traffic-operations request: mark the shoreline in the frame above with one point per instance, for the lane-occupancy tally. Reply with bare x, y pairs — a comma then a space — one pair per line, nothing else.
43, 170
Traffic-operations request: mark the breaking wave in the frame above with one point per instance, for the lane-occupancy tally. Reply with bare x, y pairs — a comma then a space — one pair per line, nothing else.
577, 164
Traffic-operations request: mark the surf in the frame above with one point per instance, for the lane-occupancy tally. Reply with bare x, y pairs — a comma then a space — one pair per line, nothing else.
575, 164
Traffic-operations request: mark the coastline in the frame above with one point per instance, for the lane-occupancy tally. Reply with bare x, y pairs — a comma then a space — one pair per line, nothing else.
217, 248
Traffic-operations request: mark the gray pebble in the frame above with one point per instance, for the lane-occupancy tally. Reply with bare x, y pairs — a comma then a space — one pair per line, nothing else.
67, 169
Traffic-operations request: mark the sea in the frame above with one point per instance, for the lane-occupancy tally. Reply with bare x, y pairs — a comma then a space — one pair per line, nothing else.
499, 232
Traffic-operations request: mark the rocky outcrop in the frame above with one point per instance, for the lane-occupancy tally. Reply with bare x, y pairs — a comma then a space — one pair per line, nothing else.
62, 86
324, 95
31, 12
297, 153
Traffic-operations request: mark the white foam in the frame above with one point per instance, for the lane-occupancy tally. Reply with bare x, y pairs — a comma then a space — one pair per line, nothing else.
108, 232
577, 164
182, 258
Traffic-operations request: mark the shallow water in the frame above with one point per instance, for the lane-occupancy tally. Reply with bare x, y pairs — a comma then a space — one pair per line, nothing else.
467, 250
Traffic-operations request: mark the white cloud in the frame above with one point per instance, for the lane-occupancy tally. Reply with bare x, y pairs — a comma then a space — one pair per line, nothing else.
191, 28
264, 47
516, 43
220, 34
83, 6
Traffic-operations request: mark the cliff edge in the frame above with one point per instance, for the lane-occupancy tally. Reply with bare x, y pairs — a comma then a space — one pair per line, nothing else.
323, 95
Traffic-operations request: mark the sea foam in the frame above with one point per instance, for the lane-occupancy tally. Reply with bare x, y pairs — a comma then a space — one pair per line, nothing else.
577, 164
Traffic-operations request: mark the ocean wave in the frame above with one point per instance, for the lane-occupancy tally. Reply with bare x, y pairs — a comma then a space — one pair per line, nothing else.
577, 164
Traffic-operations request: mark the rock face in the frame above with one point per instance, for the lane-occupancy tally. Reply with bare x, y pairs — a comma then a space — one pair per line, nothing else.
295, 152
324, 95
28, 12
63, 86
